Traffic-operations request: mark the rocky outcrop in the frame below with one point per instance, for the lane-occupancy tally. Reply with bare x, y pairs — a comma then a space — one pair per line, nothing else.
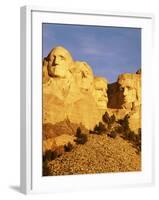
114, 101
68, 90
135, 120
126, 92
62, 127
64, 139
83, 76
101, 154
72, 92
100, 92
125, 98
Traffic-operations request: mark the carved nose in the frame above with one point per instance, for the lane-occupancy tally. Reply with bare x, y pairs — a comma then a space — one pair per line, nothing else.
55, 60
125, 91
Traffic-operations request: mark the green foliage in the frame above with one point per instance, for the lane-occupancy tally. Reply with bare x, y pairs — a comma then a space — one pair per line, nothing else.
125, 129
124, 123
139, 133
59, 150
98, 129
106, 117
119, 129
128, 134
110, 126
91, 132
110, 120
68, 147
78, 131
135, 139
112, 134
81, 137
46, 170
101, 127
50, 155
138, 139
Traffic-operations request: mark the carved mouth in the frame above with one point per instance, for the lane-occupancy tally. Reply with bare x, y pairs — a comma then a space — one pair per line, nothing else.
54, 64
125, 99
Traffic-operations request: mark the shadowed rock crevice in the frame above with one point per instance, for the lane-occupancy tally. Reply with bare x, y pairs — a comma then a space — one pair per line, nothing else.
75, 99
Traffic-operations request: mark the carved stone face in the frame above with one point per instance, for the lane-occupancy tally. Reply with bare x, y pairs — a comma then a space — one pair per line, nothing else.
83, 75
100, 92
129, 90
59, 61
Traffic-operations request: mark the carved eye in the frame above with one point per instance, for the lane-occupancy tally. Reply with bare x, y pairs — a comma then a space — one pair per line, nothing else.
129, 88
83, 74
62, 58
121, 89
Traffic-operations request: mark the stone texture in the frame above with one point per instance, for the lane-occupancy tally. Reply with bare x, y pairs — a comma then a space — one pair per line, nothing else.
126, 92
100, 92
135, 120
82, 111
62, 127
71, 91
101, 154
130, 90
64, 139
125, 98
68, 90
59, 62
73, 97
83, 75
114, 101
49, 144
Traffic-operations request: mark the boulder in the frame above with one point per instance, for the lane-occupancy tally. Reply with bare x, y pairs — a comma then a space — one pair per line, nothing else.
64, 139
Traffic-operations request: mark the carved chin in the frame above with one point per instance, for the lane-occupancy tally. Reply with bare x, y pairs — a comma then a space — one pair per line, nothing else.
55, 72
51, 73
127, 105
59, 73
102, 105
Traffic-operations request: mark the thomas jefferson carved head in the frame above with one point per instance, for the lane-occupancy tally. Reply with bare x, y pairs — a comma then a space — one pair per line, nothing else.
83, 76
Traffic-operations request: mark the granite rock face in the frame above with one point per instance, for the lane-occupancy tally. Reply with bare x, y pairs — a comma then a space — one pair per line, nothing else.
126, 92
125, 98
72, 92
130, 90
83, 76
100, 92
68, 90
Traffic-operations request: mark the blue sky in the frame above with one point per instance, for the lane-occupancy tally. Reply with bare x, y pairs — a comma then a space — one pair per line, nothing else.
110, 51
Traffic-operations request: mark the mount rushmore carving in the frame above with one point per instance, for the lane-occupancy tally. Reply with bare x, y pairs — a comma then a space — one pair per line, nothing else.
72, 91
